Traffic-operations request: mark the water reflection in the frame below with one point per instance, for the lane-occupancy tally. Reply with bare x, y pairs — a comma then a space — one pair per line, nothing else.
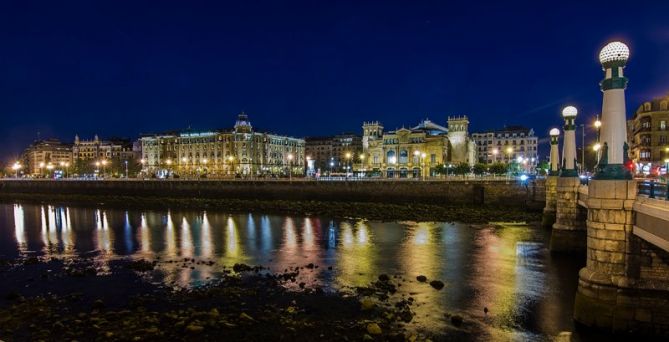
507, 270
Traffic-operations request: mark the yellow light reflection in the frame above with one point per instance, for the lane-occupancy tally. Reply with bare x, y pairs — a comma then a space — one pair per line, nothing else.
358, 255
145, 236
186, 239
170, 239
205, 243
103, 234
66, 231
19, 229
232, 244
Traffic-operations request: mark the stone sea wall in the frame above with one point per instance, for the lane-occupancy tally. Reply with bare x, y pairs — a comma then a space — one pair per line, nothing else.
399, 192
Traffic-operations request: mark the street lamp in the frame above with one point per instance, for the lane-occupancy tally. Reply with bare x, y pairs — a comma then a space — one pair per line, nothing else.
49, 167
348, 159
126, 169
16, 167
168, 162
290, 166
104, 167
204, 163
423, 155
231, 159
495, 151
509, 151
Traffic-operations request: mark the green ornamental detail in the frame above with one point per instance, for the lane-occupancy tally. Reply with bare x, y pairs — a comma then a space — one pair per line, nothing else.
606, 171
569, 124
613, 83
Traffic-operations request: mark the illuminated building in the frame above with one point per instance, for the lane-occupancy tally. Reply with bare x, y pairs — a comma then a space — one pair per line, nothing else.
330, 153
115, 152
414, 152
222, 153
649, 135
45, 156
493, 146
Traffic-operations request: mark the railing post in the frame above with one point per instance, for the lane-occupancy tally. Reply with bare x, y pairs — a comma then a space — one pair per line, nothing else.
652, 190
666, 193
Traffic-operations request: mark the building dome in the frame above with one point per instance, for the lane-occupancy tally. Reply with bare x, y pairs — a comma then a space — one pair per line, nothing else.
555, 132
569, 112
614, 52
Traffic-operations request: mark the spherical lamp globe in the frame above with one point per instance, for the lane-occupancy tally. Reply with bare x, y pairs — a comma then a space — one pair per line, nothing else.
569, 112
614, 52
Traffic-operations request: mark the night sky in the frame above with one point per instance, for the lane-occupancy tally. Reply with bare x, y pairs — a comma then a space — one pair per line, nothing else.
120, 68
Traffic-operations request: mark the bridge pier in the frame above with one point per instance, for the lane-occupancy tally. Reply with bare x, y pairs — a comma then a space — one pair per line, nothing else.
624, 286
548, 218
569, 231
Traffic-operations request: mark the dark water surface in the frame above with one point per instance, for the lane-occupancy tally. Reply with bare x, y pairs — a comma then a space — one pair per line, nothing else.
528, 291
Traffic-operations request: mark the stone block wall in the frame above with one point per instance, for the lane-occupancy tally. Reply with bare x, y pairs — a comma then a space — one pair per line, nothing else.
569, 231
551, 201
502, 193
625, 284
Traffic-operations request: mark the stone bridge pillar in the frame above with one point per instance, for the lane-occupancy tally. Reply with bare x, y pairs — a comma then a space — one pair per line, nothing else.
624, 285
568, 233
605, 296
548, 218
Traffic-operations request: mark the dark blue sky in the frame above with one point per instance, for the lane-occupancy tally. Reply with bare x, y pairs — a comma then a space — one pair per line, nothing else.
119, 68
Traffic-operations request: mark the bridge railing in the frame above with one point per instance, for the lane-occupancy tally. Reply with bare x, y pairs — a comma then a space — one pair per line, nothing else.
654, 189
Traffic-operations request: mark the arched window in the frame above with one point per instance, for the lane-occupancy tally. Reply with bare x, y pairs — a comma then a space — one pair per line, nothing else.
390, 157
663, 105
646, 106
404, 156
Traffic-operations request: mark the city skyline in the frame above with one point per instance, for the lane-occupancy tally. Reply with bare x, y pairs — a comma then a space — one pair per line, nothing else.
398, 64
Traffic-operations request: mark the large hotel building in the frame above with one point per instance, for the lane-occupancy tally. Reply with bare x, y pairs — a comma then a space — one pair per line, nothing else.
222, 153
507, 145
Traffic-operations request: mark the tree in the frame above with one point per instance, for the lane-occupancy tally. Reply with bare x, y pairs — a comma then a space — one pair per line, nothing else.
498, 168
543, 167
440, 169
461, 169
479, 169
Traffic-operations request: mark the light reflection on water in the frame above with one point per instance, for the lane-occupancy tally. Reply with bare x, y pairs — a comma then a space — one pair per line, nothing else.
508, 270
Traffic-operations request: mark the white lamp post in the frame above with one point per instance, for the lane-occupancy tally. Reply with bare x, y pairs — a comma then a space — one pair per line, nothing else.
568, 168
555, 155
613, 135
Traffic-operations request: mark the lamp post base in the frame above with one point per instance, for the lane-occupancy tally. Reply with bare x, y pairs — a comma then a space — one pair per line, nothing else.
612, 172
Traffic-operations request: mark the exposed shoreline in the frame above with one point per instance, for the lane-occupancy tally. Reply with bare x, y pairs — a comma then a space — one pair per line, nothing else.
464, 213
78, 300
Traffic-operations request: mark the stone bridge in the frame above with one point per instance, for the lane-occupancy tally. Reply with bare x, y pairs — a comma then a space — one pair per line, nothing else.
622, 228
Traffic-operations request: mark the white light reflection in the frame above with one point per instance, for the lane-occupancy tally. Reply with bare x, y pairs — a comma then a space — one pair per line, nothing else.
19, 229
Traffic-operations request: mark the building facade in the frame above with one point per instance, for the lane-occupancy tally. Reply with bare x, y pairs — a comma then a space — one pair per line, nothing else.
333, 153
648, 136
44, 157
115, 154
415, 152
222, 153
506, 145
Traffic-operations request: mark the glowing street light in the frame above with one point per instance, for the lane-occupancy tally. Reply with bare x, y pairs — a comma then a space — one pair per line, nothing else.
598, 123
290, 166
16, 167
597, 147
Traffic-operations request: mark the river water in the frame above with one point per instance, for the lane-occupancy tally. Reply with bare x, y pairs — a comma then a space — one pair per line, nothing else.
509, 270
